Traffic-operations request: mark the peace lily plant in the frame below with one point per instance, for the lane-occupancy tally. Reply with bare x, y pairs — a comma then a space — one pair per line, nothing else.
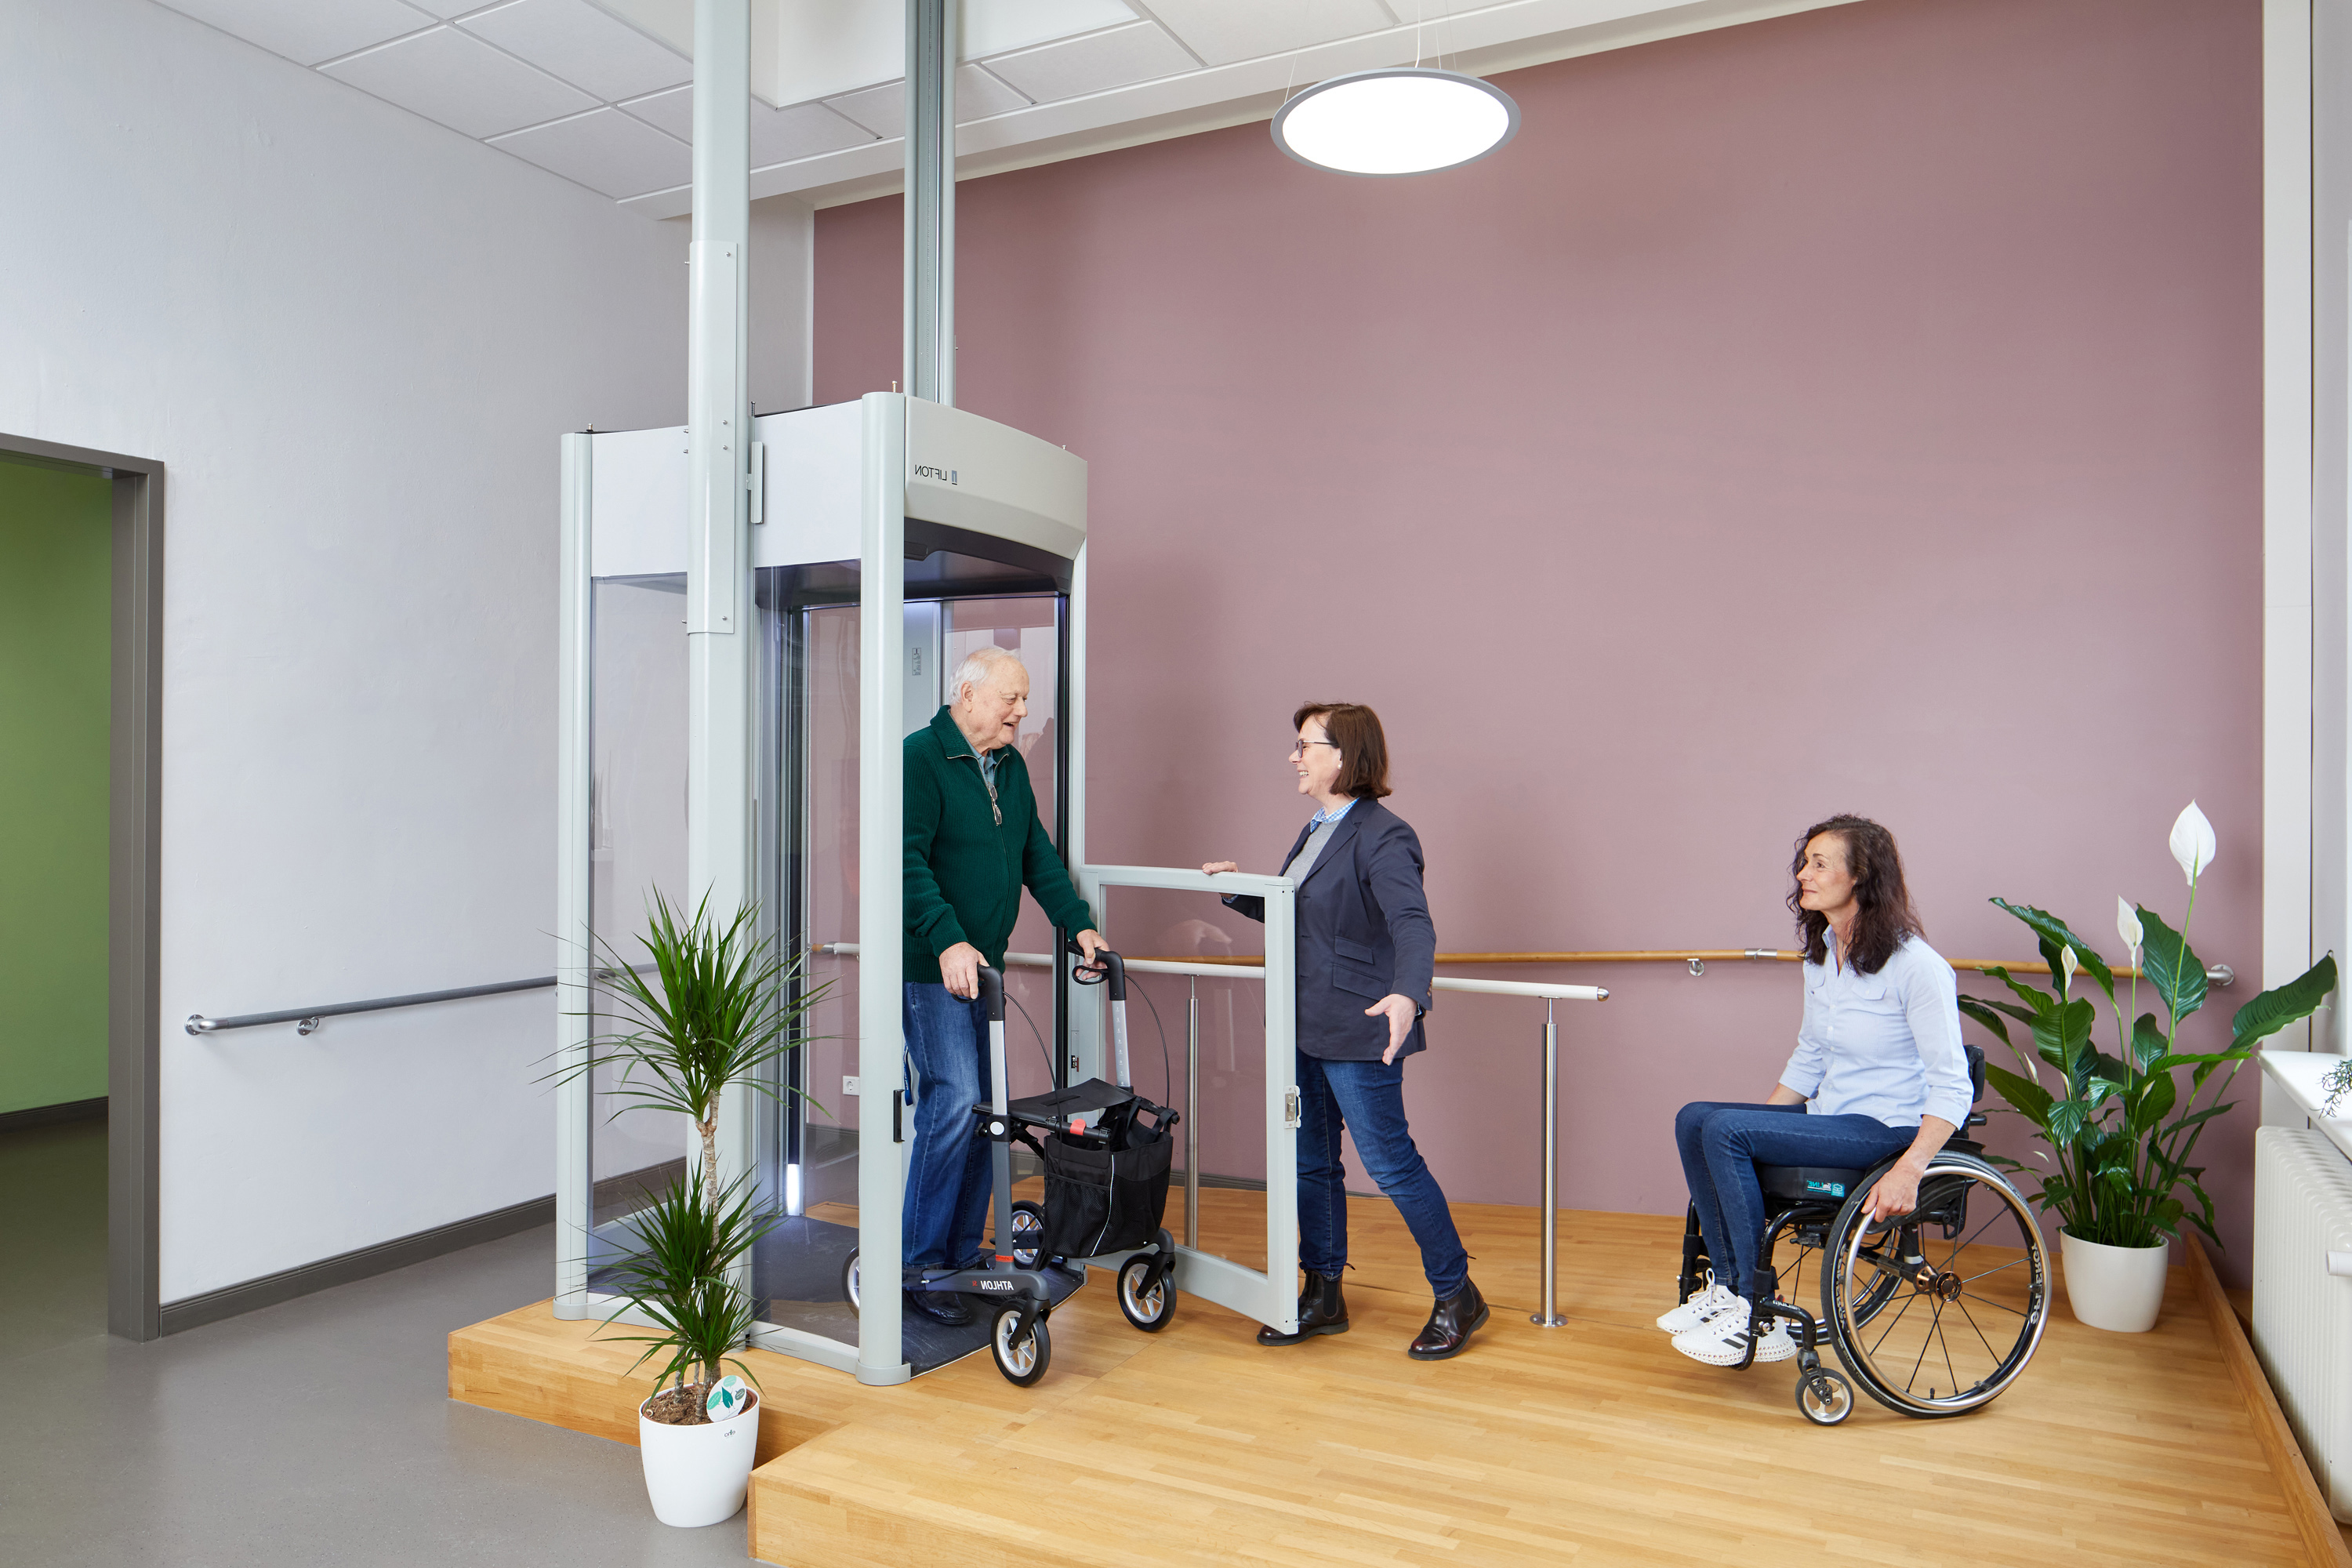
2121, 1131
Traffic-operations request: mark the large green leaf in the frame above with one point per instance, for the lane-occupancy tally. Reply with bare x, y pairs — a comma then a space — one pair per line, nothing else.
2054, 937
2274, 1009
2148, 1044
2176, 969
2067, 1121
1984, 1012
2040, 1001
2029, 1098
2157, 1094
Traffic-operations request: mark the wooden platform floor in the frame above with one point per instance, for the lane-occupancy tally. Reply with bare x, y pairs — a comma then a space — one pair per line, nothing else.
1593, 1444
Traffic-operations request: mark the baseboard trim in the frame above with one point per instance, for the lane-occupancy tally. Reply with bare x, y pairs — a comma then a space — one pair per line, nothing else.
230, 1301
2322, 1541
48, 1115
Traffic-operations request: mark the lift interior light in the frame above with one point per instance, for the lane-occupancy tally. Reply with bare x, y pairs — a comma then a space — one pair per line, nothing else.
1405, 120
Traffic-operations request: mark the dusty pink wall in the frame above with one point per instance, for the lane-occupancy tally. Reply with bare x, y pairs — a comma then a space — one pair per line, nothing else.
1855, 411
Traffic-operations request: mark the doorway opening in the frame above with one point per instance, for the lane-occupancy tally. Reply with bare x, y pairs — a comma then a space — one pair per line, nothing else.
83, 690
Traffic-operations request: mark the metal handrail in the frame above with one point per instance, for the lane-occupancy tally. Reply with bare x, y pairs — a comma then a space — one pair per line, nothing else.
1548, 1315
1698, 958
306, 1019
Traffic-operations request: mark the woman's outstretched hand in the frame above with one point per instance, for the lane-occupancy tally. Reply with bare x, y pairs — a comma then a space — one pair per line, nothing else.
1401, 1011
1213, 867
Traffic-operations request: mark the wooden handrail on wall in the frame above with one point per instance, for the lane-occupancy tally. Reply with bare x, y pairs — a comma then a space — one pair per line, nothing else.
1698, 958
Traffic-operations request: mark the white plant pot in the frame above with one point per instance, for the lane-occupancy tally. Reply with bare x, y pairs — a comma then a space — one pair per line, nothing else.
698, 1474
2116, 1287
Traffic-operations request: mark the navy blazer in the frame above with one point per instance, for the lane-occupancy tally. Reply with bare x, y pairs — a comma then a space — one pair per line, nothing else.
1364, 932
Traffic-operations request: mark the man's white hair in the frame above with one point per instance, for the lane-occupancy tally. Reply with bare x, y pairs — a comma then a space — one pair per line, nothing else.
979, 666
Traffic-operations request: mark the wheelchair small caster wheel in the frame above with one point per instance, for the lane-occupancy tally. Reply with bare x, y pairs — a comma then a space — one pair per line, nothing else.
1824, 1396
1148, 1309
1023, 1361
849, 1281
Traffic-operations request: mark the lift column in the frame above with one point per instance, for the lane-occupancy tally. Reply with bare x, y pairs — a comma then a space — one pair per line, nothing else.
720, 636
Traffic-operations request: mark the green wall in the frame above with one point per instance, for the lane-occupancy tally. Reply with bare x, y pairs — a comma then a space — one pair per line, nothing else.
56, 544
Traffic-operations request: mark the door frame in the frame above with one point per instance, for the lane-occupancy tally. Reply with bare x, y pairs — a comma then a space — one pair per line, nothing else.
134, 874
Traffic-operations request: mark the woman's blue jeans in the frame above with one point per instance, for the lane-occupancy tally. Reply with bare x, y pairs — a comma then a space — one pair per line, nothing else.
1721, 1145
1368, 1099
947, 1177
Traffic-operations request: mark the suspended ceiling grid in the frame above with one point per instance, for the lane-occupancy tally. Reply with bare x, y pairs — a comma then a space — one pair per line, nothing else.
599, 91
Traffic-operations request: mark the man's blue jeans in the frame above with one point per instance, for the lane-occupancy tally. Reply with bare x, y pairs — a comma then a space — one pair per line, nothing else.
1368, 1099
949, 1180
1721, 1145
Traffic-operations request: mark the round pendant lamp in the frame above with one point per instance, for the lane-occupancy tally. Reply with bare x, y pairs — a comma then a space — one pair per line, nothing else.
1406, 121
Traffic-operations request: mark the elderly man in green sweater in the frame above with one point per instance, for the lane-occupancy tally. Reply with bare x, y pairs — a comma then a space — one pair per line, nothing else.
973, 842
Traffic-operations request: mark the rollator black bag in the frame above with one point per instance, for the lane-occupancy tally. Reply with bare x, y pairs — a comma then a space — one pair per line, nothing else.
1107, 1193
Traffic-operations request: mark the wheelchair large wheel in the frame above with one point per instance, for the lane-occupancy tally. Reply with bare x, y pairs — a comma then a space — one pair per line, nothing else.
1933, 1313
1806, 1230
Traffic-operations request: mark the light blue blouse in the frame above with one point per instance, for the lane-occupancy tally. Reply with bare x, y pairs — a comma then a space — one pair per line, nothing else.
1885, 1046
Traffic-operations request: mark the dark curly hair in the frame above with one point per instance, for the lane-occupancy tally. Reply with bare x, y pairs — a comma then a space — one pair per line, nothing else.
1876, 867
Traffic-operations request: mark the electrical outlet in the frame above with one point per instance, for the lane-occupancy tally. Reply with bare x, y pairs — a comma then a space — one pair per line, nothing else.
849, 1085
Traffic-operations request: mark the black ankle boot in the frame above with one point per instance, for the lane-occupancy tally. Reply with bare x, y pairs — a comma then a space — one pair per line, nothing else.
1451, 1323
1322, 1310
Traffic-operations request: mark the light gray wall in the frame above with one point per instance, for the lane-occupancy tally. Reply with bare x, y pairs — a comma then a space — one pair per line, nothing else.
353, 336
2331, 320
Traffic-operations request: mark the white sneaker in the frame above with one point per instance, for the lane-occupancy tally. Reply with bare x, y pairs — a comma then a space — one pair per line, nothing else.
1702, 1304
1722, 1340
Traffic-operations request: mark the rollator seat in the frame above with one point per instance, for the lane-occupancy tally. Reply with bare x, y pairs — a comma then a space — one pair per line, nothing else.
1085, 1101
1810, 1183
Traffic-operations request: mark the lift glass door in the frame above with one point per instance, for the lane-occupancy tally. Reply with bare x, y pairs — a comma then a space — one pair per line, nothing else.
810, 815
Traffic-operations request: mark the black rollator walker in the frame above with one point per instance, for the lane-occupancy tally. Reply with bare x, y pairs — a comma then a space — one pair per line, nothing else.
1933, 1312
1105, 1190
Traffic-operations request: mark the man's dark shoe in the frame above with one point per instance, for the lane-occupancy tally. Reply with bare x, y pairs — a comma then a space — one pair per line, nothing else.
939, 1307
1451, 1323
1322, 1310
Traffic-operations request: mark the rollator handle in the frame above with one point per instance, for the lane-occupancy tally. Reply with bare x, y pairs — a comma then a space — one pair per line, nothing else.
1108, 967
992, 992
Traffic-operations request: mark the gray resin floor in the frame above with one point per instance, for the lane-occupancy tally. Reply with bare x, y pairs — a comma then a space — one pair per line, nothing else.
312, 1432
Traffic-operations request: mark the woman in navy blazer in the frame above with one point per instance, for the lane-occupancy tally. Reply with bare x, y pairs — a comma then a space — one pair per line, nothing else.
1364, 937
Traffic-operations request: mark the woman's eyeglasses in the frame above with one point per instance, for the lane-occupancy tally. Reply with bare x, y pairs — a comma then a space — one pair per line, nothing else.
1298, 748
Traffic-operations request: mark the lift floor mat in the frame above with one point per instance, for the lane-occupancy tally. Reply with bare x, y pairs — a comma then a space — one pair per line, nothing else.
797, 1268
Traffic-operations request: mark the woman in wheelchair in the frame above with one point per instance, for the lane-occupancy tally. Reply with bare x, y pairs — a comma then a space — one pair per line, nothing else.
1878, 1071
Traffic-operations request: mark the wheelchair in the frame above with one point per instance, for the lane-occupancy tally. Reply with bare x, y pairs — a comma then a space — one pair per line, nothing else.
1933, 1313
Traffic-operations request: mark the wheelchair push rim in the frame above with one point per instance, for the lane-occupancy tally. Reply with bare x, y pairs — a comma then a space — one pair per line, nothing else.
1971, 1291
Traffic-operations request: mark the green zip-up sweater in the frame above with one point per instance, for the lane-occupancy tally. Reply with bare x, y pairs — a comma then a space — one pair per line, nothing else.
968, 857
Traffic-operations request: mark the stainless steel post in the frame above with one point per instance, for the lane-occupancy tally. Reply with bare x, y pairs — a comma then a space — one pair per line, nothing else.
1548, 1318
1193, 1112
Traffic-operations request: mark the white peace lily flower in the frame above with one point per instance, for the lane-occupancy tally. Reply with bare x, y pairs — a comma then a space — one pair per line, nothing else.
2192, 842
2069, 964
2127, 924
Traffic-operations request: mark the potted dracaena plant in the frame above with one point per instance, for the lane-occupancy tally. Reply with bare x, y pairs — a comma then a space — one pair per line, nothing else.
2121, 1130
713, 1009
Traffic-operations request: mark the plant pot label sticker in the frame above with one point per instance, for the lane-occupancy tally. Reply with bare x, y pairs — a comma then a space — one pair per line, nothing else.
727, 1397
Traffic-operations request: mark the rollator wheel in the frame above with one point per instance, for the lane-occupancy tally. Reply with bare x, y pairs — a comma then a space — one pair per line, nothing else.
1825, 1396
849, 1281
1022, 1362
1028, 1248
1935, 1314
1147, 1309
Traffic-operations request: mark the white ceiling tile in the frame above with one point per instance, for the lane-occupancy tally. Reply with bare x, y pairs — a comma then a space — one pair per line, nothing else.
1224, 31
462, 83
605, 151
308, 30
778, 135
996, 26
444, 9
1095, 63
573, 39
883, 110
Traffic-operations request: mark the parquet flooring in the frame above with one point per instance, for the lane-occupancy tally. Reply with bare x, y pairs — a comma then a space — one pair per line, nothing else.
1593, 1444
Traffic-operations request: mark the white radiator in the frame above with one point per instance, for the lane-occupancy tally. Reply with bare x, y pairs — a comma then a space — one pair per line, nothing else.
2303, 1311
